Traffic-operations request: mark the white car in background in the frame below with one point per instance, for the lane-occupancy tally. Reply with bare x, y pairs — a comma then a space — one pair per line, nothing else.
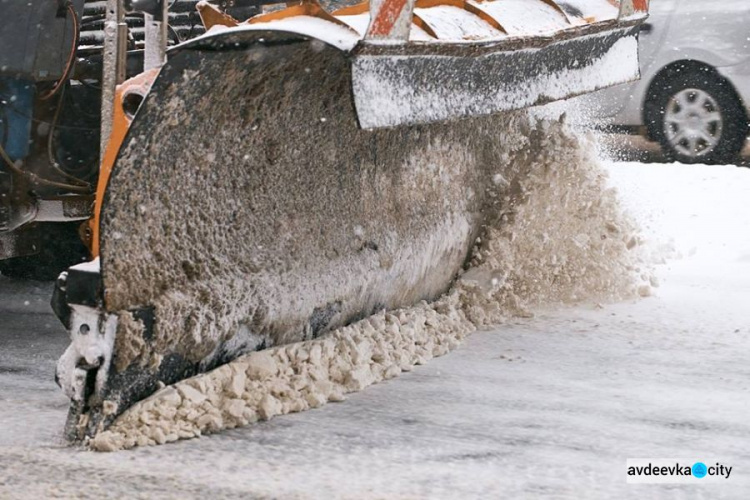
694, 93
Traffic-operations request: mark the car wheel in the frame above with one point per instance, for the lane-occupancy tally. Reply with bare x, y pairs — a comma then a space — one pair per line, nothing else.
697, 118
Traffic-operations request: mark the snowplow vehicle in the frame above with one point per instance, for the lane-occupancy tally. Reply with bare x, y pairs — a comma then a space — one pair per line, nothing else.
290, 173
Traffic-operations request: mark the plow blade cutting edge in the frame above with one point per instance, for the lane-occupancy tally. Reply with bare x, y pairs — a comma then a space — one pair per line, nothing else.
250, 206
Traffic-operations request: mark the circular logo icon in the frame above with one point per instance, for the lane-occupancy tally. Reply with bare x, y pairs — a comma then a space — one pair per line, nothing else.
699, 470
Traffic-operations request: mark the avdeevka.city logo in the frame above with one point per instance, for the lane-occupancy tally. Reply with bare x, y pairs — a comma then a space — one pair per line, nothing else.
671, 470
700, 470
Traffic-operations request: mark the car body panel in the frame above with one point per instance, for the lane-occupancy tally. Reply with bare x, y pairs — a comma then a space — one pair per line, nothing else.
714, 33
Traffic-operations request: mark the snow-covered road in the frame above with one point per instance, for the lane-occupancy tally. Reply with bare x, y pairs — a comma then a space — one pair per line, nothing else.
548, 407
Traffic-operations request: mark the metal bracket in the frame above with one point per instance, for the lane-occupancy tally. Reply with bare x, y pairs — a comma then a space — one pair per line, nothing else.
390, 20
113, 67
632, 8
155, 25
83, 369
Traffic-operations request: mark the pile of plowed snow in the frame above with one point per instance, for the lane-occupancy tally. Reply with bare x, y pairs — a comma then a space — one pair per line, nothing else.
558, 237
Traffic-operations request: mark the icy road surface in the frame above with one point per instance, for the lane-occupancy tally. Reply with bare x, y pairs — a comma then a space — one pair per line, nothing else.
549, 407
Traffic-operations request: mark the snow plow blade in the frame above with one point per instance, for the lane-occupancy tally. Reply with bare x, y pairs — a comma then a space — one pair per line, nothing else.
249, 206
401, 84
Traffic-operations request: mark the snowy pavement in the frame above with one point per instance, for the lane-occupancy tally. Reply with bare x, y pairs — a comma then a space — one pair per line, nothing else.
548, 407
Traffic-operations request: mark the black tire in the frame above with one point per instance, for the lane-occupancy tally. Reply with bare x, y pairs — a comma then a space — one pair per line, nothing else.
60, 248
729, 136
